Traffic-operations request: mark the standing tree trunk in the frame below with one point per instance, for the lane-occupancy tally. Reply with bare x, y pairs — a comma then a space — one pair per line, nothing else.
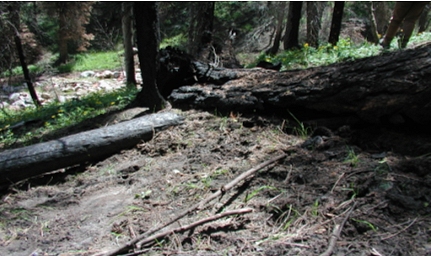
63, 36
201, 29
337, 17
280, 9
373, 23
314, 15
292, 26
14, 18
382, 15
129, 62
423, 20
148, 37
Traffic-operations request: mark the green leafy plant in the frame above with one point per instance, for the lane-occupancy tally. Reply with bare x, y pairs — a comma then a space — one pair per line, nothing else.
352, 158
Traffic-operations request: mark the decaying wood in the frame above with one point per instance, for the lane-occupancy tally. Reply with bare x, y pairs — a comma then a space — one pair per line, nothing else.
197, 206
22, 163
392, 88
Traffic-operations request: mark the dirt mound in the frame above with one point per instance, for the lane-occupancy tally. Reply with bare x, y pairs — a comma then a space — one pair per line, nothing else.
377, 199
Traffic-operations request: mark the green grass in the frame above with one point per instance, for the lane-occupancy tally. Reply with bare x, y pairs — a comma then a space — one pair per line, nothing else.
78, 63
56, 116
92, 61
345, 50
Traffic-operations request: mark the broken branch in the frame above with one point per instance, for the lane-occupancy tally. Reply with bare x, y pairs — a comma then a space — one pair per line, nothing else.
196, 206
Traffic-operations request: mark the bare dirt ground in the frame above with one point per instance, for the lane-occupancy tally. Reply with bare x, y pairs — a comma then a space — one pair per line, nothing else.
372, 185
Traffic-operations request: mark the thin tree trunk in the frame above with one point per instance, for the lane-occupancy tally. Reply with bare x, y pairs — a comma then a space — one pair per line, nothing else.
373, 23
424, 20
201, 29
292, 26
281, 7
62, 35
148, 37
382, 15
314, 15
337, 17
128, 45
14, 17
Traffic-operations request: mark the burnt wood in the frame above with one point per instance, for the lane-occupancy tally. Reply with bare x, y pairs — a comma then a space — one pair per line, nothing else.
392, 88
21, 163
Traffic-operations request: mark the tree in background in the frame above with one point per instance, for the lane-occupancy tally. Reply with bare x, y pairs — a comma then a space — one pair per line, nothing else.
280, 8
14, 26
424, 21
148, 39
201, 29
292, 26
72, 18
337, 17
314, 17
129, 62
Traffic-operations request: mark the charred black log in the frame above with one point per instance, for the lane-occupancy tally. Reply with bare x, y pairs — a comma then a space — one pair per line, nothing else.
21, 163
392, 88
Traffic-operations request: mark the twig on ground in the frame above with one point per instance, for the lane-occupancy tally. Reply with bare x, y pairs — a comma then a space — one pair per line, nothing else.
288, 174
336, 233
336, 183
402, 230
194, 224
197, 206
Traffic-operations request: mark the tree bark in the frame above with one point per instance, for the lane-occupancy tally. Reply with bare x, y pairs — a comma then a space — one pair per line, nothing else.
21, 163
281, 7
128, 44
14, 17
148, 38
292, 26
201, 29
63, 36
374, 34
337, 17
392, 88
314, 15
423, 20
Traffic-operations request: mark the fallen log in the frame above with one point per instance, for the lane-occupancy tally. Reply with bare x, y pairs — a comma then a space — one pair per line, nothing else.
392, 88
22, 163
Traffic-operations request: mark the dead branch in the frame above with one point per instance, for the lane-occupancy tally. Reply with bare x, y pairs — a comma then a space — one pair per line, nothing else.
197, 206
336, 233
402, 230
250, 172
194, 224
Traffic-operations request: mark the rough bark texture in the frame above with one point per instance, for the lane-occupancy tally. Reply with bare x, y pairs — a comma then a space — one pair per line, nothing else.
14, 17
148, 38
337, 17
391, 88
279, 15
292, 26
22, 163
314, 16
129, 62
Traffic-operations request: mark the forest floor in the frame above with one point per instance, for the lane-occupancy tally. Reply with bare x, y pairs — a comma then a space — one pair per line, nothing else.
370, 185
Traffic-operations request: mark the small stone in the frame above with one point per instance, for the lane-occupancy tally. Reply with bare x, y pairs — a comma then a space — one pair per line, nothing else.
87, 74
14, 97
116, 74
45, 96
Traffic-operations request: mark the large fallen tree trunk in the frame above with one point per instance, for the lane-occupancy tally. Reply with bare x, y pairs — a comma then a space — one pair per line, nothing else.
390, 88
21, 163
